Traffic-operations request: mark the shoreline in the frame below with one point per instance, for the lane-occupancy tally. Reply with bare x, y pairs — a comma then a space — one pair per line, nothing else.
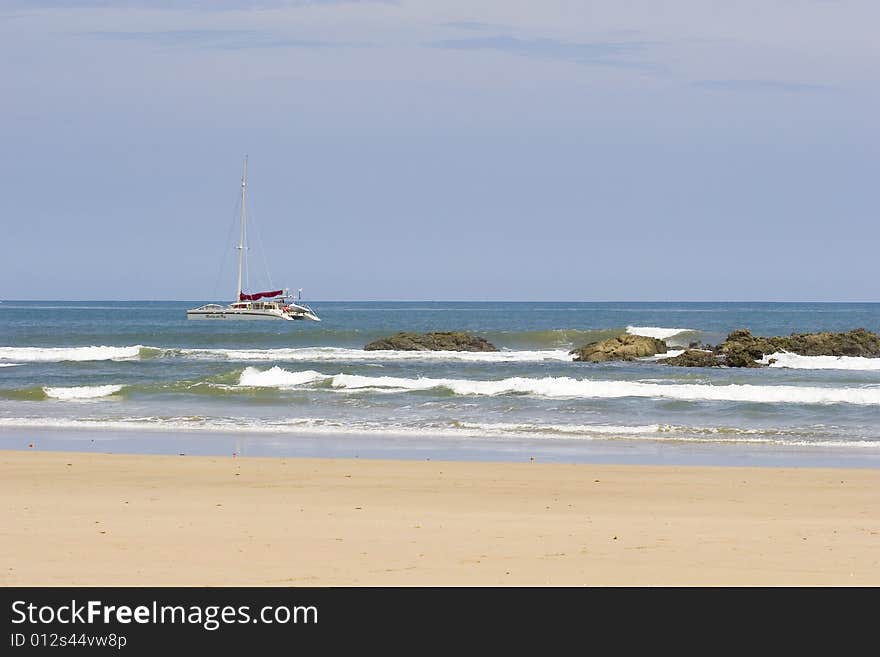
425, 446
98, 519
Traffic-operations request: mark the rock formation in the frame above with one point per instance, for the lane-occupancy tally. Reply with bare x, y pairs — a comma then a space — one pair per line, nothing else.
438, 341
858, 342
742, 349
622, 347
694, 358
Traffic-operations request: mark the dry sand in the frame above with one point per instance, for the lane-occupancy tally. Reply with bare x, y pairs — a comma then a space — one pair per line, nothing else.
99, 519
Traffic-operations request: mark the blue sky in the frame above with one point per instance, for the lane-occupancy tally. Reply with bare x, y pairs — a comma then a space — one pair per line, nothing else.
610, 150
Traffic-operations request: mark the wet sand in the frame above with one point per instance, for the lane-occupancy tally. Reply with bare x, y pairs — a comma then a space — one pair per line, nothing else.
72, 518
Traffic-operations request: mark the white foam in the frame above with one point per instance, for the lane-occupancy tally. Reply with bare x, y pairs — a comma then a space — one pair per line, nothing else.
342, 354
564, 429
672, 353
658, 332
81, 392
576, 388
59, 354
277, 378
664, 432
9, 364
796, 361
313, 426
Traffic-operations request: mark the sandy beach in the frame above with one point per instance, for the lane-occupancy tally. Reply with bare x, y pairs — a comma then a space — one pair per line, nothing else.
112, 519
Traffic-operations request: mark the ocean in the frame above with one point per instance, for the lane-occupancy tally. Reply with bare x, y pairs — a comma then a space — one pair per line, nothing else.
136, 376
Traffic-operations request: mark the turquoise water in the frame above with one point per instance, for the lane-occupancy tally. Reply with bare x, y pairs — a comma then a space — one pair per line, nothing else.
137, 376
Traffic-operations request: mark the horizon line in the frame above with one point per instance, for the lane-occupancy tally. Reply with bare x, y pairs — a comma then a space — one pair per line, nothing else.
468, 300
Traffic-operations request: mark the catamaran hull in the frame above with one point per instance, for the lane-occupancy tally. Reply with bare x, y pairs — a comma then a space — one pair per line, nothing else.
247, 315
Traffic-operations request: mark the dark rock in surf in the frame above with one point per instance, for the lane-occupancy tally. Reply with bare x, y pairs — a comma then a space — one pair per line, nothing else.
622, 347
438, 341
694, 358
740, 356
703, 346
742, 349
741, 345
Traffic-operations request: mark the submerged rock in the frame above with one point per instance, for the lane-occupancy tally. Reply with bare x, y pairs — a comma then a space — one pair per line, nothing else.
622, 347
694, 358
438, 341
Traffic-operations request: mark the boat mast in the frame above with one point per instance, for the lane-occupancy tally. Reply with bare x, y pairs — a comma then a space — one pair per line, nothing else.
241, 236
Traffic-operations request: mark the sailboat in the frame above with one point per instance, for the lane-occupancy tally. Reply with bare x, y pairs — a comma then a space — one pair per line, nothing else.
274, 304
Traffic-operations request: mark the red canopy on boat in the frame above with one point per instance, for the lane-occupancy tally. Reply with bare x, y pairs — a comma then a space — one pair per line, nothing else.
258, 295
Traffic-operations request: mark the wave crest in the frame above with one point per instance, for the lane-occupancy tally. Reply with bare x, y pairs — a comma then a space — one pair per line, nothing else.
344, 354
141, 352
568, 387
81, 392
277, 378
658, 332
60, 354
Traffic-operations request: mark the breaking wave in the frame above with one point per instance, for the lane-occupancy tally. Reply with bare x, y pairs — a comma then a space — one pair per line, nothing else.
796, 361
60, 354
277, 378
81, 392
658, 332
672, 353
343, 354
569, 387
140, 352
